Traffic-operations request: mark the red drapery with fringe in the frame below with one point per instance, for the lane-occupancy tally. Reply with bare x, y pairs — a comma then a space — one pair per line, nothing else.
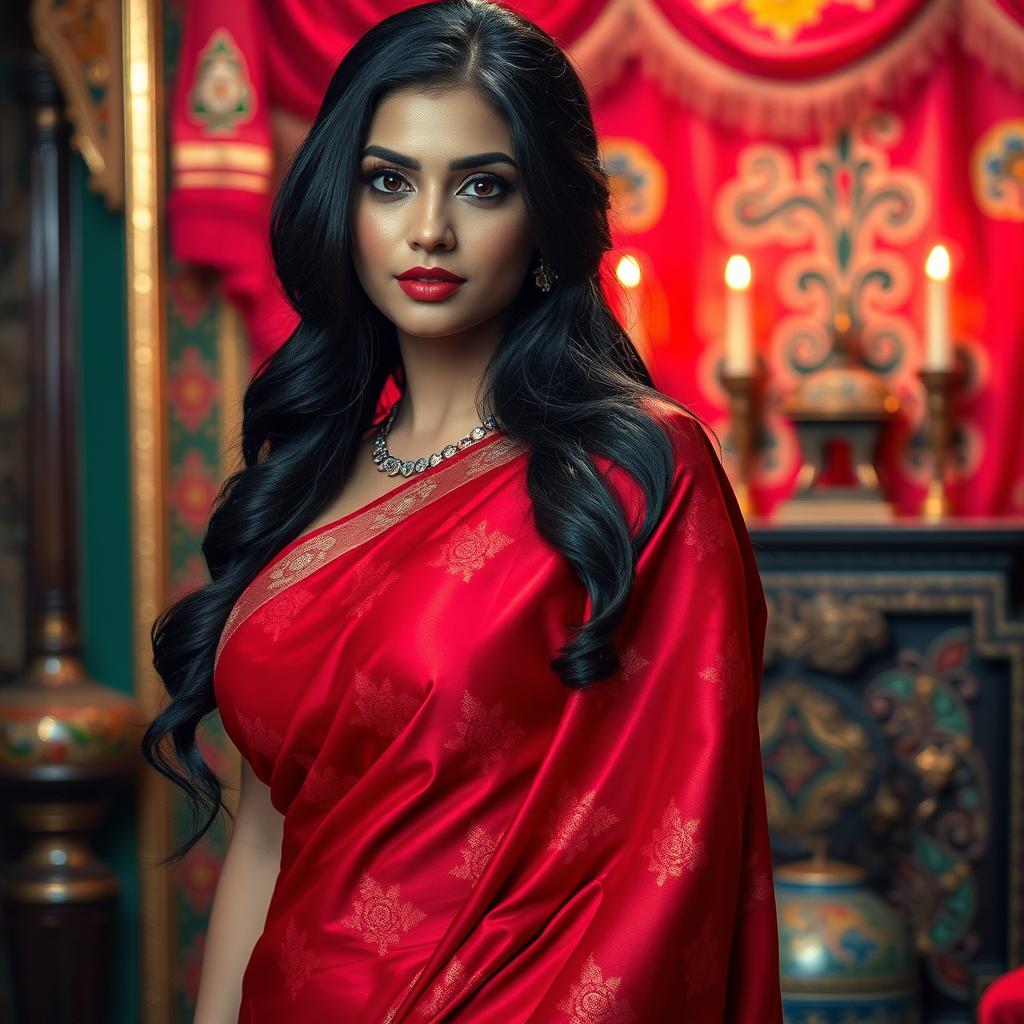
828, 141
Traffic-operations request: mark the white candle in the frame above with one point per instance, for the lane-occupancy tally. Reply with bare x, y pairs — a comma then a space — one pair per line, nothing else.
938, 353
739, 348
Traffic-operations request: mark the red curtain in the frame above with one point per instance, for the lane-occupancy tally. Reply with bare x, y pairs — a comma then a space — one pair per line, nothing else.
832, 142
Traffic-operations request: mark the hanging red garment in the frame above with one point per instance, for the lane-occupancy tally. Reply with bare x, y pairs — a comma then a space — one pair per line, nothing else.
223, 163
465, 838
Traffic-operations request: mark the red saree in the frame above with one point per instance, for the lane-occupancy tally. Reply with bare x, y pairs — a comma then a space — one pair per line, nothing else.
465, 838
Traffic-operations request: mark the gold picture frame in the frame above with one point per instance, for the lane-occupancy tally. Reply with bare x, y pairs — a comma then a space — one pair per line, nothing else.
142, 76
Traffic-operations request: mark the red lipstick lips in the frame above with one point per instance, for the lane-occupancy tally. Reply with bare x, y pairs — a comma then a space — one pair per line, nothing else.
429, 284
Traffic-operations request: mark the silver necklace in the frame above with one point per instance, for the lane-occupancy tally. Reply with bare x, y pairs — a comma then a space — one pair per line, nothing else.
387, 463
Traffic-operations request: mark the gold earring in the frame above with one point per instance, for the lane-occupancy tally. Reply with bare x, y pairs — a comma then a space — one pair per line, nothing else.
544, 277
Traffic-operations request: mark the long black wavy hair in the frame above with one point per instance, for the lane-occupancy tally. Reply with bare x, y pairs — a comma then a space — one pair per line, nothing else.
565, 379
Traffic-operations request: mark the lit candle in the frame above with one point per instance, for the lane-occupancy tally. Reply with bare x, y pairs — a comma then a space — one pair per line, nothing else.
739, 349
938, 353
627, 270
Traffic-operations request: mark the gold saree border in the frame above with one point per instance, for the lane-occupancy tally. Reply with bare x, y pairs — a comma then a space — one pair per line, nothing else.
323, 545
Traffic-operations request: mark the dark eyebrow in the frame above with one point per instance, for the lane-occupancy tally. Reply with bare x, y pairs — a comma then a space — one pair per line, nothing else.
477, 160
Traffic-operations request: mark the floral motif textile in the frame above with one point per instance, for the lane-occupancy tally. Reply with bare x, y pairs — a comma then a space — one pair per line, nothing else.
467, 839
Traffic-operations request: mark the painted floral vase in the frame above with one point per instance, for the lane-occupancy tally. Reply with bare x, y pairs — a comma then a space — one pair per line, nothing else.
845, 955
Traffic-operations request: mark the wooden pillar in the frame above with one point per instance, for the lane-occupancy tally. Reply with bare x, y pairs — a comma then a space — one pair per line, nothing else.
65, 741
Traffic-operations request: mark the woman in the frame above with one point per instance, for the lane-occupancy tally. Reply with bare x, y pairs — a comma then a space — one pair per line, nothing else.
492, 662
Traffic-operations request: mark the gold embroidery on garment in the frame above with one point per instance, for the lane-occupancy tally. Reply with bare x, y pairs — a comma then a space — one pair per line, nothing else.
576, 821
322, 785
370, 582
453, 984
497, 454
593, 999
259, 738
363, 525
406, 499
631, 661
381, 709
476, 853
277, 615
237, 156
727, 674
703, 526
468, 548
482, 734
297, 962
301, 562
390, 1015
240, 181
380, 915
675, 846
757, 883
232, 616
222, 95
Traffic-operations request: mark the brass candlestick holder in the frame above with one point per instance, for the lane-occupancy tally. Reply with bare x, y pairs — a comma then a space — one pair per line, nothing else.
741, 390
841, 402
938, 385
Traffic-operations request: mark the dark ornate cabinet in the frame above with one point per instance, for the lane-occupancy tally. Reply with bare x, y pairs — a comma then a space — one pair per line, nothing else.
892, 721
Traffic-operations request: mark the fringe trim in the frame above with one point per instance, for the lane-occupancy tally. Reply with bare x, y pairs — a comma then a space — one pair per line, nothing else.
750, 103
604, 48
995, 38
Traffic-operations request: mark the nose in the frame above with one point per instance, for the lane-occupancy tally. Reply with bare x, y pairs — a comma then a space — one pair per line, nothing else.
431, 227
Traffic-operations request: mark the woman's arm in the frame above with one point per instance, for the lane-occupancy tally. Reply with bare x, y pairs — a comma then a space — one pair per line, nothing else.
240, 903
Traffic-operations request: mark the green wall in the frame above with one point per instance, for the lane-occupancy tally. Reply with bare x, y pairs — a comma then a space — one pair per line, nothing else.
104, 523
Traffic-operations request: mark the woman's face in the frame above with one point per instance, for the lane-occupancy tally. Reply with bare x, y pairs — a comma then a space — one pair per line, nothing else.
438, 189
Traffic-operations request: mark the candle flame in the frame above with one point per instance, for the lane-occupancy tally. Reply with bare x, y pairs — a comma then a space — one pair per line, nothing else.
628, 271
937, 264
737, 273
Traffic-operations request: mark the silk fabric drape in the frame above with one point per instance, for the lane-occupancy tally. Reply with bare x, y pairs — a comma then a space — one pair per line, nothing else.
465, 838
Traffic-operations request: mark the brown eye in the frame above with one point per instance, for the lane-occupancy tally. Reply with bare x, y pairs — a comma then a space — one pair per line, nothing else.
393, 180
489, 187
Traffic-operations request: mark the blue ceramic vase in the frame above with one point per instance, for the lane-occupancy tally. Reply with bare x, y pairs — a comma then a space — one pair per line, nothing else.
845, 956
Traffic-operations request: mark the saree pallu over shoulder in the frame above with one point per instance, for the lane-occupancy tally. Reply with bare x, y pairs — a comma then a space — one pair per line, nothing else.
305, 555
466, 839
